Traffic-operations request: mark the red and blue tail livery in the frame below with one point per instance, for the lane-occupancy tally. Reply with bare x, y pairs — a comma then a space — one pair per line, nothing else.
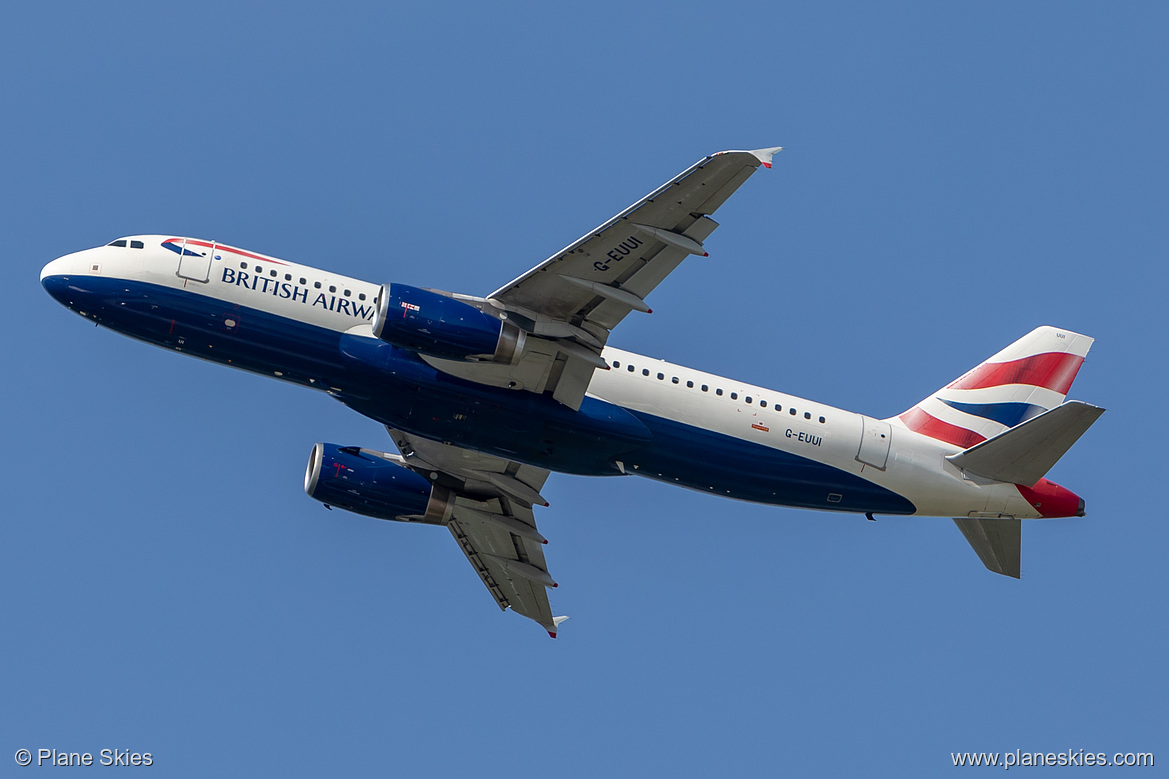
485, 396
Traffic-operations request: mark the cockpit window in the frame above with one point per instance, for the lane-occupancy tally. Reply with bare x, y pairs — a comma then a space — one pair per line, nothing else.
137, 245
120, 243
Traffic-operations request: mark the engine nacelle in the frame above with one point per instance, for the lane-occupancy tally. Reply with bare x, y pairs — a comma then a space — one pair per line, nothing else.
370, 483
429, 323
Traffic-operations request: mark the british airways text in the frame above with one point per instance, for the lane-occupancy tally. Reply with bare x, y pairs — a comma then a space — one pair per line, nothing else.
289, 291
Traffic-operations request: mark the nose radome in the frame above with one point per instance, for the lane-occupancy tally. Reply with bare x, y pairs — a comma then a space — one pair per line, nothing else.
58, 267
1080, 509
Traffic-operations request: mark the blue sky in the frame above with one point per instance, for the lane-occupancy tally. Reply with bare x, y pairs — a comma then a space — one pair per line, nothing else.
954, 177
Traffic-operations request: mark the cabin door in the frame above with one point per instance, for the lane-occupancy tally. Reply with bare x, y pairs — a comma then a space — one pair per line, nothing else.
195, 262
875, 438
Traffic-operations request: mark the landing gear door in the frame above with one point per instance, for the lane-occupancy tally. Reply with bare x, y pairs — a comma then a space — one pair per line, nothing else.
875, 439
195, 262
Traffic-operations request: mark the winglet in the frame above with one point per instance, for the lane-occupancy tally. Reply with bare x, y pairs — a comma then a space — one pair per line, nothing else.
555, 625
765, 155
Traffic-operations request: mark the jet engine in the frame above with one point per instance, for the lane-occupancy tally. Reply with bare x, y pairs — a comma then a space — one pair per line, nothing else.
429, 323
373, 484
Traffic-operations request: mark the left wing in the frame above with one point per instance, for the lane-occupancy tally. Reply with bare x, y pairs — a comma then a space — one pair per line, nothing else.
568, 304
491, 518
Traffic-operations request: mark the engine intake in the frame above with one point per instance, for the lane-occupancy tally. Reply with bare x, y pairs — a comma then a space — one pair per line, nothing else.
429, 323
371, 484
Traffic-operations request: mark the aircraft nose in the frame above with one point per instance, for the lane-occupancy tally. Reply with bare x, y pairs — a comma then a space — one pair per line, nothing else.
57, 267
60, 278
1080, 510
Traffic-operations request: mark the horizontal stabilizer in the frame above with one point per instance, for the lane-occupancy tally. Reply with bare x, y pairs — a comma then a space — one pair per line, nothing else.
996, 541
1025, 453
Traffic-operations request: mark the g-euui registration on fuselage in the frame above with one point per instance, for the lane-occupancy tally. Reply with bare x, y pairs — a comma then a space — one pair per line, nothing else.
485, 396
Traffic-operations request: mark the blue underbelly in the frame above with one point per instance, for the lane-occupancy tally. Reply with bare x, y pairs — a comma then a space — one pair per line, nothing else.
207, 327
731, 467
398, 389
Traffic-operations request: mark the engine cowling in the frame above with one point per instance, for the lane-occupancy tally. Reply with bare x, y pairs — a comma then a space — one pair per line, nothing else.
433, 324
369, 483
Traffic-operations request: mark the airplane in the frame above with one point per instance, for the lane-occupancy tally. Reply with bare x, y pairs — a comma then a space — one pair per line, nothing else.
485, 397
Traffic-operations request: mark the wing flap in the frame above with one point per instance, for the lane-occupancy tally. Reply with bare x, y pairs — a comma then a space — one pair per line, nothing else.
508, 563
491, 519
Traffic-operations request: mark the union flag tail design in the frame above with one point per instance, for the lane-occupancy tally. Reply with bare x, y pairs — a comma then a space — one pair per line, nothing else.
1019, 383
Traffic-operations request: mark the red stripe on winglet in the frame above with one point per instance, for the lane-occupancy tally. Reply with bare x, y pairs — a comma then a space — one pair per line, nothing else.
928, 425
1054, 371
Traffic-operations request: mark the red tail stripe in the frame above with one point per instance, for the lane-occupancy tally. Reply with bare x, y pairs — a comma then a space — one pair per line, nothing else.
921, 422
1054, 371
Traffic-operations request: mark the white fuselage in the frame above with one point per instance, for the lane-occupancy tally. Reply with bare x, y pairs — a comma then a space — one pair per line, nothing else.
883, 452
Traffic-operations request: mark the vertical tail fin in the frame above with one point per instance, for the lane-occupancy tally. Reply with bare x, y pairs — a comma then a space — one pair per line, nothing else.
1029, 377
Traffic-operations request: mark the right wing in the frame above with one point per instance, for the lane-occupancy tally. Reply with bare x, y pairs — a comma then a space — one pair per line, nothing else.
491, 518
595, 281
568, 304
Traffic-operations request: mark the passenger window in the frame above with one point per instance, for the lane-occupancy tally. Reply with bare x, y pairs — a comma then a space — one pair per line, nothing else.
259, 269
317, 284
120, 244
629, 368
674, 380
303, 282
616, 363
661, 376
690, 384
361, 296
243, 266
792, 411
645, 371
137, 245
332, 288
734, 396
763, 404
748, 398
807, 415
704, 388
821, 420
346, 293
718, 391
272, 273
288, 277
